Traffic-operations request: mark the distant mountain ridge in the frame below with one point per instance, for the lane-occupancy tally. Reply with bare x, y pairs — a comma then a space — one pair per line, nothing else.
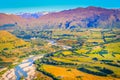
89, 17
84, 17
32, 15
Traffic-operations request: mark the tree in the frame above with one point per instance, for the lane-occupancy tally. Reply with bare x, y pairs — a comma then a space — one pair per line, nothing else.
80, 41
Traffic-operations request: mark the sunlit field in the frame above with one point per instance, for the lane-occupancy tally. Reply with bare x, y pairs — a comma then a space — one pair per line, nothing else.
97, 59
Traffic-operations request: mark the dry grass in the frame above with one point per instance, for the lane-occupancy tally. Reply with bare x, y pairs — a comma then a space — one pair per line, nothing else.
72, 74
12, 59
95, 40
80, 51
40, 76
65, 60
96, 49
113, 47
9, 41
66, 52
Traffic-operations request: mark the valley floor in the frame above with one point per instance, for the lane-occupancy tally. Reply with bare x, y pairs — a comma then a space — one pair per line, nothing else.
26, 69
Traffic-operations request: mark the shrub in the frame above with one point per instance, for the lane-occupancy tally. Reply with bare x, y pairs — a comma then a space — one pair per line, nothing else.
92, 72
107, 71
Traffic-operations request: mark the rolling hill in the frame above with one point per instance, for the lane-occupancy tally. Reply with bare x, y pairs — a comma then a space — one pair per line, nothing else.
9, 41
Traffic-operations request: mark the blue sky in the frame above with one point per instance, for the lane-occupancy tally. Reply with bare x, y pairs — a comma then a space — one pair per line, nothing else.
16, 6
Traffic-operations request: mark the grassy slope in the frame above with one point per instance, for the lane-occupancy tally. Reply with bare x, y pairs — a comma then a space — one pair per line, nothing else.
9, 41
10, 46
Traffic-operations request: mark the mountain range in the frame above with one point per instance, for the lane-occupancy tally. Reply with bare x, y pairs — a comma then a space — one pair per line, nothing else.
32, 15
89, 17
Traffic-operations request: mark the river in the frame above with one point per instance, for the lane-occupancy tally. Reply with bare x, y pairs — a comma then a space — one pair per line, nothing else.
26, 68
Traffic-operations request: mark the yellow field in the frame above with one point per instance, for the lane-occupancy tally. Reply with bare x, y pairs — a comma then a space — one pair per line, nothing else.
72, 74
109, 34
113, 47
13, 59
40, 76
80, 51
65, 60
96, 49
66, 52
96, 35
95, 40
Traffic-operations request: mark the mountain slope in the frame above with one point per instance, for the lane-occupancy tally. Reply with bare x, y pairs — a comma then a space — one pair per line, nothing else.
10, 19
83, 17
9, 41
68, 19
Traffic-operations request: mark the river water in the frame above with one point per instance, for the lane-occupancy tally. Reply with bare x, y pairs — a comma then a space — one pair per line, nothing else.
25, 68
19, 71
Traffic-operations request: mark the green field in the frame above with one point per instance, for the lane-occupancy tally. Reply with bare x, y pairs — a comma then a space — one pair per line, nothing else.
95, 54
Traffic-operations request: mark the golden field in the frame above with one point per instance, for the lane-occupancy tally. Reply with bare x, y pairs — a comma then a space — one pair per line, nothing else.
72, 74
